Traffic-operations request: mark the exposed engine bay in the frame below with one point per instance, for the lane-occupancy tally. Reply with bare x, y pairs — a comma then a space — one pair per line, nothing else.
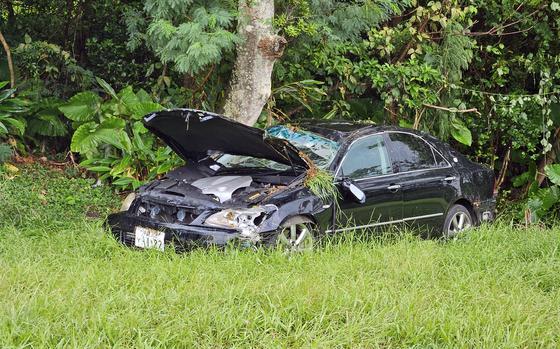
222, 187
184, 194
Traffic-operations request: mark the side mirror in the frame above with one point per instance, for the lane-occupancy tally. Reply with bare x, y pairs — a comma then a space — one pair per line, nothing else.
356, 193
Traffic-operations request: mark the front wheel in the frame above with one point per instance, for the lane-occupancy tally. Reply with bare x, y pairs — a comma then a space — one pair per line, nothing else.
458, 220
295, 235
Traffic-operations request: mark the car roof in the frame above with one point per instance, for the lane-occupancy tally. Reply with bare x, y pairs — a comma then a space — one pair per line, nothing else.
341, 130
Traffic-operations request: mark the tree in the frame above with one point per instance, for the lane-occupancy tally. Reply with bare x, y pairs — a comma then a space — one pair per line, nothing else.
191, 36
9, 59
256, 53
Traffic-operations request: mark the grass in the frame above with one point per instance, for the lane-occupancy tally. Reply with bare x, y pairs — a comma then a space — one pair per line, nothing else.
65, 283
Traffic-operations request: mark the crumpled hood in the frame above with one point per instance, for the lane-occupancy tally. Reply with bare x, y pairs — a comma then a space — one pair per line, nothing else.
195, 134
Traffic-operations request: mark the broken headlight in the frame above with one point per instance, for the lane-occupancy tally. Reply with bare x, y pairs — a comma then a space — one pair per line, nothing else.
128, 201
242, 219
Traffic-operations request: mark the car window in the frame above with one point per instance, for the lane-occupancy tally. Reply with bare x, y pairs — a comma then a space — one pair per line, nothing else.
410, 152
440, 161
318, 149
366, 157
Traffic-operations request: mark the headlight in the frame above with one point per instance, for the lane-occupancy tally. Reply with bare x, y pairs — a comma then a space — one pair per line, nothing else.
128, 201
242, 219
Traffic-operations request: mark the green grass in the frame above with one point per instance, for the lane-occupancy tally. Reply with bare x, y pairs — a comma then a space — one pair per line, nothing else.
65, 283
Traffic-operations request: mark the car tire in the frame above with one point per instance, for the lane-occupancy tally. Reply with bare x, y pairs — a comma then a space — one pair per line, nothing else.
458, 219
295, 235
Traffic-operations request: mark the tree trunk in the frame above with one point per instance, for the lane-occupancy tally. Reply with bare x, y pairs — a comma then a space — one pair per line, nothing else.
251, 83
9, 59
11, 24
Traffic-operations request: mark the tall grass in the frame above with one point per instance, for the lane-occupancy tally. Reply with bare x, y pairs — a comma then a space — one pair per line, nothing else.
71, 285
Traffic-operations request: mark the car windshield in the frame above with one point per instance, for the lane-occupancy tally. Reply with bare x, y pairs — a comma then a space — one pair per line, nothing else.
319, 149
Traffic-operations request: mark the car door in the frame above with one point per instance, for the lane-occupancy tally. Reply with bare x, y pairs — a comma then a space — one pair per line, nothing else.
426, 179
368, 165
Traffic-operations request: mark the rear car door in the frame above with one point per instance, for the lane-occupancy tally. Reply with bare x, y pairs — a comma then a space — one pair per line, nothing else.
428, 181
368, 164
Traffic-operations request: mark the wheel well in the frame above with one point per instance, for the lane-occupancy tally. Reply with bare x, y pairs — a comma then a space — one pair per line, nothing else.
299, 219
468, 205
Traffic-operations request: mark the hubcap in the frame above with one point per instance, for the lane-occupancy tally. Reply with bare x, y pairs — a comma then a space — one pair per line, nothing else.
460, 222
295, 238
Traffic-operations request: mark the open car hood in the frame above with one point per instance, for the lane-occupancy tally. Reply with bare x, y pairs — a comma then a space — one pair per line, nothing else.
195, 134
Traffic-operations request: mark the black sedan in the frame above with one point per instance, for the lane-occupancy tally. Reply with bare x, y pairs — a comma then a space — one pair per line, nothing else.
247, 185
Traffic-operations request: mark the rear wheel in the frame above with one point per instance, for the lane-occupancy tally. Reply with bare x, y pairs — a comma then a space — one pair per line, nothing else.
295, 235
458, 220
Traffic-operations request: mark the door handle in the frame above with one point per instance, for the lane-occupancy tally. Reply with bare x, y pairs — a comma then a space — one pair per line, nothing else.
449, 178
394, 187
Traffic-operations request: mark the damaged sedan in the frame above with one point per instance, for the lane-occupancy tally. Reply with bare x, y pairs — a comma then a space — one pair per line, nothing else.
247, 185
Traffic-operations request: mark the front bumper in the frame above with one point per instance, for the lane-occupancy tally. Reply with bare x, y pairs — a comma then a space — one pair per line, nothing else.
182, 237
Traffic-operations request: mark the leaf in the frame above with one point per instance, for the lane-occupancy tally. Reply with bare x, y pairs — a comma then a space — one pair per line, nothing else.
128, 97
6, 93
549, 197
522, 179
116, 123
553, 173
125, 142
90, 135
143, 96
47, 124
123, 181
99, 169
3, 84
14, 123
122, 165
82, 107
140, 110
460, 132
17, 124
105, 86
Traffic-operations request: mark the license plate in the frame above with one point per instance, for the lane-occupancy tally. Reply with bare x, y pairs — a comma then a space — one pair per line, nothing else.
149, 238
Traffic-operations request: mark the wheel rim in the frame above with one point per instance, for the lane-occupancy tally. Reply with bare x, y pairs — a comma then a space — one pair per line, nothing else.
461, 221
295, 238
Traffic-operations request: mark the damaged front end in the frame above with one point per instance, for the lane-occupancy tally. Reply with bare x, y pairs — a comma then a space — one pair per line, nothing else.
212, 210
238, 184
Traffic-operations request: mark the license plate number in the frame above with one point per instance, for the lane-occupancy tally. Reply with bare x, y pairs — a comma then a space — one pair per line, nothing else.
149, 238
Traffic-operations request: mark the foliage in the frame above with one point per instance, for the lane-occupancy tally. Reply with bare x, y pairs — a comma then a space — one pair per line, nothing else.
11, 107
321, 183
44, 119
544, 202
191, 34
111, 137
49, 69
305, 93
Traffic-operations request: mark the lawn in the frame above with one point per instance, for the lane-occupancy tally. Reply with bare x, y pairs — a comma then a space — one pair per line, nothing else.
64, 282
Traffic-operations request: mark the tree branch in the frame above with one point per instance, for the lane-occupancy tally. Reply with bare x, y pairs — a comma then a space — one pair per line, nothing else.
452, 110
10, 62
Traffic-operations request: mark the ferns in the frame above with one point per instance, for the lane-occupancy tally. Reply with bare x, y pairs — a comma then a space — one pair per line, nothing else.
189, 34
455, 52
